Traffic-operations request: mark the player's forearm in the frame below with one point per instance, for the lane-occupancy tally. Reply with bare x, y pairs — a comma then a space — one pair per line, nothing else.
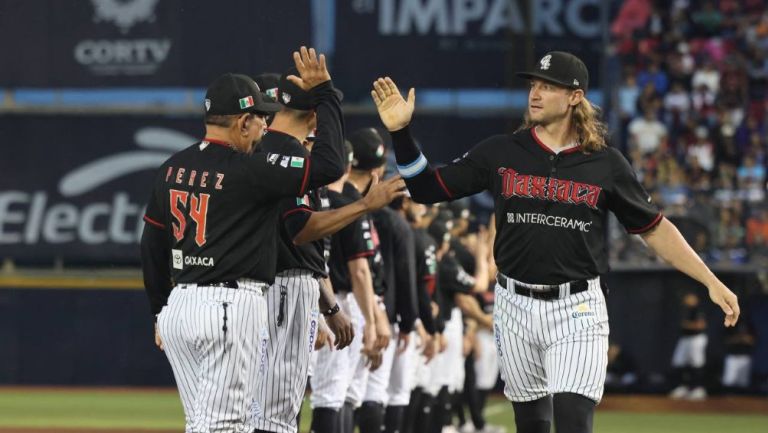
328, 155
155, 256
326, 223
406, 304
471, 308
667, 242
482, 277
421, 179
327, 299
362, 288
425, 309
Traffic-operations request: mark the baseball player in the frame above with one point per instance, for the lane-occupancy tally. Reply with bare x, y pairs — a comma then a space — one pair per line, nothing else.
353, 261
690, 355
292, 301
208, 225
553, 182
398, 297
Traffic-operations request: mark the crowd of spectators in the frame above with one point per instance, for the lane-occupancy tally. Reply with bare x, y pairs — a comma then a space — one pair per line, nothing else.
693, 118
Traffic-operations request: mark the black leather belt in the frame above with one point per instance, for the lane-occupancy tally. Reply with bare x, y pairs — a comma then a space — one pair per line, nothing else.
546, 294
227, 284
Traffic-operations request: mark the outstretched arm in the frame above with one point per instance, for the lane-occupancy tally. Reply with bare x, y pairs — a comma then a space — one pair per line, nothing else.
666, 241
467, 176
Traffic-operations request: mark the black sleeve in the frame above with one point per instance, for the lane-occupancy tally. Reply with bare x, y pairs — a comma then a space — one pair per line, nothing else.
278, 175
294, 213
628, 200
156, 248
405, 274
327, 161
355, 240
155, 265
437, 297
425, 308
465, 176
453, 277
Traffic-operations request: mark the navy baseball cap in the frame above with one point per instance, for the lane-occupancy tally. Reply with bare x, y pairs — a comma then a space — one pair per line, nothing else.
560, 68
237, 94
368, 147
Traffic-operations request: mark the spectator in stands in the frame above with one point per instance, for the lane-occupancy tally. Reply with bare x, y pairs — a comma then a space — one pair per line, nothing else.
690, 353
647, 133
751, 178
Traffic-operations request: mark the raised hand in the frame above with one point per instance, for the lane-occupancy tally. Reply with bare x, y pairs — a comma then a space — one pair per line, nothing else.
312, 69
394, 111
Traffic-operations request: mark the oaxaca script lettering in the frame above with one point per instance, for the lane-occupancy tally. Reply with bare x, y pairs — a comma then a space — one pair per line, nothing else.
514, 184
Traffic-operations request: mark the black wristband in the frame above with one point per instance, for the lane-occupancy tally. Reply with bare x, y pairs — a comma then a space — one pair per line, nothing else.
331, 311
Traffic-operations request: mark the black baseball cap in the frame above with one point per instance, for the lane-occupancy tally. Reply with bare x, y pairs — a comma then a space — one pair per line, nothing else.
368, 147
237, 94
440, 229
560, 68
268, 83
291, 95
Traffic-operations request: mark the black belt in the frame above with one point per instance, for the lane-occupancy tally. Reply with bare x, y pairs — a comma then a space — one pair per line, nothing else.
546, 294
226, 284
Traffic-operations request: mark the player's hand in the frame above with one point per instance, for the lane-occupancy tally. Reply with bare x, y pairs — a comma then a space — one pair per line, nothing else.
341, 327
381, 194
158, 340
324, 337
395, 112
383, 332
373, 359
431, 347
442, 343
727, 300
369, 338
312, 69
423, 335
403, 338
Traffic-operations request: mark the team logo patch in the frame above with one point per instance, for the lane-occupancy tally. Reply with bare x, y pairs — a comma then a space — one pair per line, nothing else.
246, 102
380, 151
272, 158
575, 82
286, 97
297, 162
207, 104
178, 259
284, 162
582, 310
545, 62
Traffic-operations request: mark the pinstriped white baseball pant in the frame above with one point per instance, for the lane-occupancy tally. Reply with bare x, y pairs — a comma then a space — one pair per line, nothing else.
554, 346
212, 339
292, 318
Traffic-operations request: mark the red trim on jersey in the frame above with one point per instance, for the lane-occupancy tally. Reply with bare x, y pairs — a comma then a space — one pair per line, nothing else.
295, 210
442, 184
153, 222
648, 227
361, 255
219, 142
305, 181
547, 148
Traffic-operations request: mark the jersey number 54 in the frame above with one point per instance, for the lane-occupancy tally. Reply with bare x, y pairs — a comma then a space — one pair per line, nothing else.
197, 209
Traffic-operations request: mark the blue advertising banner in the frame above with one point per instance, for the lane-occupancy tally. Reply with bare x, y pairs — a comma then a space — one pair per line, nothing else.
75, 188
140, 43
458, 43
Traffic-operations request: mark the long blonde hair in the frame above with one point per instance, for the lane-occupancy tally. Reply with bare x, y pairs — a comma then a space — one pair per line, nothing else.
586, 123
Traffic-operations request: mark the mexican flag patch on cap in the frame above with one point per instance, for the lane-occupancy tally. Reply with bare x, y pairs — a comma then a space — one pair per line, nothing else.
246, 102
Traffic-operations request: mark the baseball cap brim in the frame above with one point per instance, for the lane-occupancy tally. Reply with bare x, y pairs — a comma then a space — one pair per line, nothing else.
530, 75
266, 107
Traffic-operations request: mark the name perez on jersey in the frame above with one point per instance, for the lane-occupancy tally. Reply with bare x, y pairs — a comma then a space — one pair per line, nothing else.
514, 184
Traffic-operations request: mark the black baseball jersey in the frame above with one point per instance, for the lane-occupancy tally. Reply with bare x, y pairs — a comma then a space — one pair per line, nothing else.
356, 240
691, 314
453, 279
551, 208
213, 210
426, 276
399, 267
295, 212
